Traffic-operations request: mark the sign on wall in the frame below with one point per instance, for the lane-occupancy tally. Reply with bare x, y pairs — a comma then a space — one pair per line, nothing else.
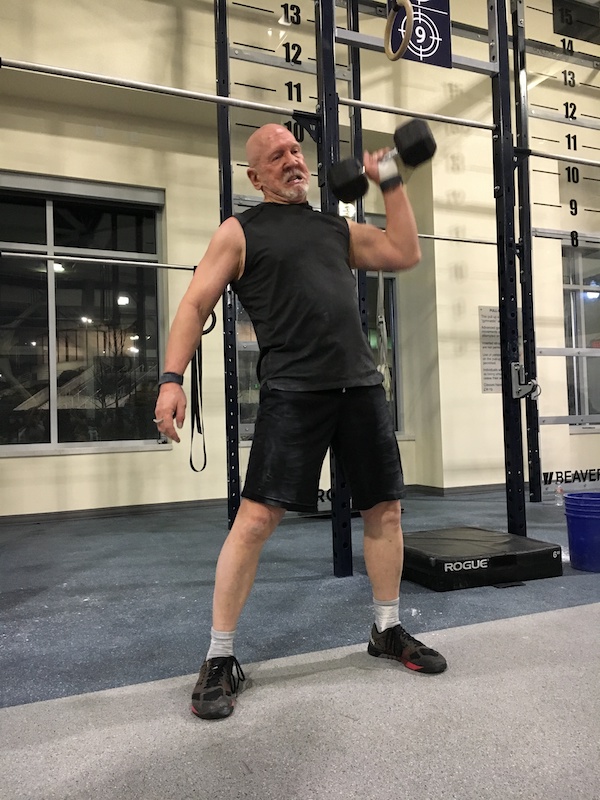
489, 341
430, 41
489, 347
576, 20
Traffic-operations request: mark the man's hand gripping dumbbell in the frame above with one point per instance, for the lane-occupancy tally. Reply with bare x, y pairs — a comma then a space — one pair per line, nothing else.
414, 145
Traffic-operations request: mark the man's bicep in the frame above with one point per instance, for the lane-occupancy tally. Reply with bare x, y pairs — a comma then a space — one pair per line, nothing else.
366, 242
220, 265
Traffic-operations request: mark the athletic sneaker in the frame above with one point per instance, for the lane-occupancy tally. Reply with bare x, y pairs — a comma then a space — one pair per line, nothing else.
399, 645
217, 687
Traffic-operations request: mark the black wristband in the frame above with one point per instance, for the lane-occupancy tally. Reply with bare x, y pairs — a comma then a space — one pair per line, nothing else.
391, 183
170, 377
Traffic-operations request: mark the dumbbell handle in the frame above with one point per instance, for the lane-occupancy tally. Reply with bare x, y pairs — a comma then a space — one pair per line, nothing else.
390, 155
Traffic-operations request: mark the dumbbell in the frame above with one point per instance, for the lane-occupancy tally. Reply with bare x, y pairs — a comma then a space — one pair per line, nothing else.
414, 145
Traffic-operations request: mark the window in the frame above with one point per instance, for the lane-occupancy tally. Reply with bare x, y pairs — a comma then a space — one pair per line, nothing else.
78, 326
581, 277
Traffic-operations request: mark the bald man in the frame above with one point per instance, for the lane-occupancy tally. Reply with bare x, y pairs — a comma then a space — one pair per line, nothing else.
291, 268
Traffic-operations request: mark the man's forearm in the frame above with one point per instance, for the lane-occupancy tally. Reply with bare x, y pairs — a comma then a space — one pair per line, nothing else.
184, 338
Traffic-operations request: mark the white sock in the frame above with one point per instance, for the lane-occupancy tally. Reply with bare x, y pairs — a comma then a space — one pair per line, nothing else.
387, 613
221, 644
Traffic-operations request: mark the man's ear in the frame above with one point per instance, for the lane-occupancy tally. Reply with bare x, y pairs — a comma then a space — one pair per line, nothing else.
253, 176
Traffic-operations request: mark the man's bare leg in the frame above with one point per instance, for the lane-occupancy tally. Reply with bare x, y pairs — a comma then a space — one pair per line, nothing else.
384, 549
384, 558
217, 686
238, 560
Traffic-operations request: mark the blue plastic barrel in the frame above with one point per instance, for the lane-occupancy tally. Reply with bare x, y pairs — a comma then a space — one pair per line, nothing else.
582, 510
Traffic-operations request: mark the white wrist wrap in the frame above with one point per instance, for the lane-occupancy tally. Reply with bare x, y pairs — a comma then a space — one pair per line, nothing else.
388, 168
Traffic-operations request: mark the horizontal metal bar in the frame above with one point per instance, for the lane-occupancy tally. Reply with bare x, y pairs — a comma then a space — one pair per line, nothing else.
403, 112
474, 65
551, 233
571, 419
589, 288
457, 239
556, 53
91, 260
171, 91
239, 54
356, 39
570, 352
569, 159
556, 116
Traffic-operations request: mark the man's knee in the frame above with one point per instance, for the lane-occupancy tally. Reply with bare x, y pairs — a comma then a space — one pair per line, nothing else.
255, 522
386, 513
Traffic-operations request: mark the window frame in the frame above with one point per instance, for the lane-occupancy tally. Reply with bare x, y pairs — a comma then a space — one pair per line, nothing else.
577, 365
50, 187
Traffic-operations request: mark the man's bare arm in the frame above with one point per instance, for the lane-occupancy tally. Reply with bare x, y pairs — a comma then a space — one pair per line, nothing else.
397, 247
222, 263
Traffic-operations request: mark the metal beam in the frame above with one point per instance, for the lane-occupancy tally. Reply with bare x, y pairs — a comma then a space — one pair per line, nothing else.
108, 80
524, 249
375, 43
229, 303
404, 112
503, 154
328, 149
572, 419
586, 162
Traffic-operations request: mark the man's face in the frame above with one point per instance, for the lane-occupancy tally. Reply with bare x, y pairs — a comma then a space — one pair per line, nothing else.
279, 169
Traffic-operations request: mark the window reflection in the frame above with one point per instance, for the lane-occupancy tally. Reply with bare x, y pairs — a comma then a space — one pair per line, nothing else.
22, 219
582, 327
24, 382
104, 226
106, 321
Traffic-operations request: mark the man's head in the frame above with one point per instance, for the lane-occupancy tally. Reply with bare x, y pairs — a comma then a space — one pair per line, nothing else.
276, 166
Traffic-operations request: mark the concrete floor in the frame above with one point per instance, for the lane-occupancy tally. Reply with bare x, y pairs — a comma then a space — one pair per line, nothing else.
105, 620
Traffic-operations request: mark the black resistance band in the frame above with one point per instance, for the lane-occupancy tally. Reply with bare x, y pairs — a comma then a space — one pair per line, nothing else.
196, 396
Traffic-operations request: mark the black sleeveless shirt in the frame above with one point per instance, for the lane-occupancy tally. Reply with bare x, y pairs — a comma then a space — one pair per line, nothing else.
300, 294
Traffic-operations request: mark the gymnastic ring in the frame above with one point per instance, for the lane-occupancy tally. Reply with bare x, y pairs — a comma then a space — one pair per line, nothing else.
394, 55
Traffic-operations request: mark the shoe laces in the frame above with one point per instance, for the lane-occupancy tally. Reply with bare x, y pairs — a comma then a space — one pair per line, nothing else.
401, 638
216, 670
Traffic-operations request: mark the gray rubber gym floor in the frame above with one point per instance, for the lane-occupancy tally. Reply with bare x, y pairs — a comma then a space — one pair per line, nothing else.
105, 622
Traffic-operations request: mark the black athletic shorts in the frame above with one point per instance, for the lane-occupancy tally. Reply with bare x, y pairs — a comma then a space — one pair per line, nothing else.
293, 432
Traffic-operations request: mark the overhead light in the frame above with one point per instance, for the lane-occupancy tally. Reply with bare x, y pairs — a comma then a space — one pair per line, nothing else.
58, 267
592, 295
123, 300
134, 338
87, 320
33, 344
133, 350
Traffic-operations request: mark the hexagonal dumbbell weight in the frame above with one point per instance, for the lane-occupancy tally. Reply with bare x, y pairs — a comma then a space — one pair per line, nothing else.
414, 145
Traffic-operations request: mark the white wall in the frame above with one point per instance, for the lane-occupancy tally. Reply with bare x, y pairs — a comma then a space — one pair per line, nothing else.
66, 128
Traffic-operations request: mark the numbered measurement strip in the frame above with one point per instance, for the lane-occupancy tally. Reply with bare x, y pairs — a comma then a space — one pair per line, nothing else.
272, 59
575, 113
579, 106
277, 36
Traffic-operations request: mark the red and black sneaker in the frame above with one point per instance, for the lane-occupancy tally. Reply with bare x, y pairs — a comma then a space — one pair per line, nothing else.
397, 644
217, 687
